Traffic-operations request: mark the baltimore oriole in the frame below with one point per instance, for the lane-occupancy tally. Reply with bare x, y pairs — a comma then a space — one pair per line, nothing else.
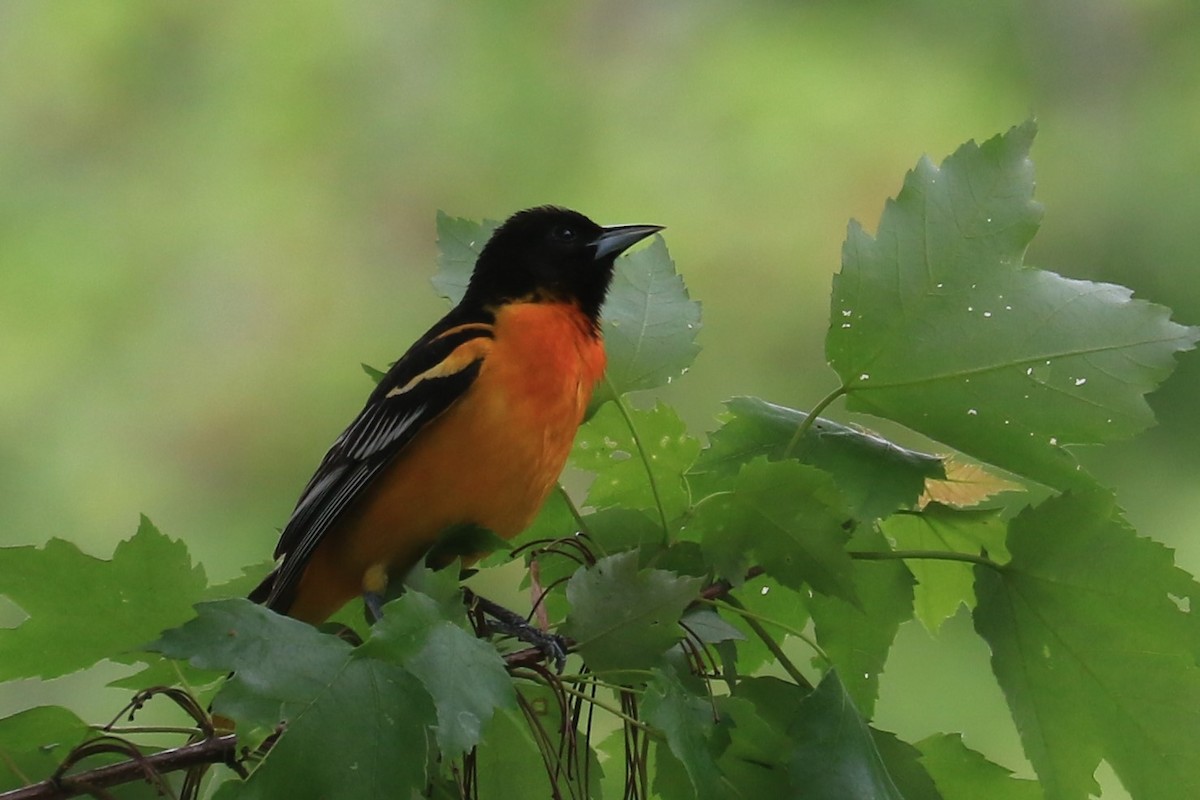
470, 427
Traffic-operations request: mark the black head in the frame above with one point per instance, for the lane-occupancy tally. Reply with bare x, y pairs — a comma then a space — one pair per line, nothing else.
551, 254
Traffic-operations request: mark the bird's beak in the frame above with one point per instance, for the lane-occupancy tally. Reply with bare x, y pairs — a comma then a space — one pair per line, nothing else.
617, 239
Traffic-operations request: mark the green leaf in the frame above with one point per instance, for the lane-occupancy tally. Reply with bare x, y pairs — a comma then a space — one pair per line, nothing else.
959, 771
465, 677
376, 375
460, 241
786, 517
710, 627
287, 670
683, 557
441, 586
937, 324
160, 671
34, 742
858, 637
687, 722
239, 585
777, 702
876, 475
614, 530
650, 323
772, 732
671, 779
365, 737
943, 586
610, 531
606, 447
509, 761
280, 664
625, 619
105, 609
755, 760
834, 756
1096, 658
903, 763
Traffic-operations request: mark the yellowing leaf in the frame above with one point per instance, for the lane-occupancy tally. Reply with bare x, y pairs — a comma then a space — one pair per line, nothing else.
966, 484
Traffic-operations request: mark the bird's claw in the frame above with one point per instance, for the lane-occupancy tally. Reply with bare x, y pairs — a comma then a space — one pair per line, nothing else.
510, 623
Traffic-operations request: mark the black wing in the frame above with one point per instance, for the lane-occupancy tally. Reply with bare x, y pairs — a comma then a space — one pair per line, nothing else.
427, 380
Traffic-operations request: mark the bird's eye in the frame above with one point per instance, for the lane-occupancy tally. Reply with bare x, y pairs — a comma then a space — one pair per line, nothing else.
564, 233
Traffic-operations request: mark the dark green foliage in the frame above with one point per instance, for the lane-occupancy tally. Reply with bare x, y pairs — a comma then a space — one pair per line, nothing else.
789, 518
876, 475
623, 618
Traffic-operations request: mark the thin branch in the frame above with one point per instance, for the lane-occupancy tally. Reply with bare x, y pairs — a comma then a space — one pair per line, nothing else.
720, 588
637, 441
936, 555
612, 710
772, 645
566, 498
125, 730
747, 614
217, 750
586, 680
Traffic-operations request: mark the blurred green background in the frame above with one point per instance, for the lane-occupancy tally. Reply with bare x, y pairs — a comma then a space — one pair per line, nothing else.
210, 213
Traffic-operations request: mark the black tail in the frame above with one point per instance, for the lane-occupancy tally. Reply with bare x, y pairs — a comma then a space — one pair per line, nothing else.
262, 592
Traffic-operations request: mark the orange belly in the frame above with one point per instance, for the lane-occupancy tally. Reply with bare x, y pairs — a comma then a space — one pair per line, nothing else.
490, 460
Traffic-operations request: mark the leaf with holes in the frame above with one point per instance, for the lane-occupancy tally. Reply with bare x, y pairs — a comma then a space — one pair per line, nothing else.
606, 447
35, 741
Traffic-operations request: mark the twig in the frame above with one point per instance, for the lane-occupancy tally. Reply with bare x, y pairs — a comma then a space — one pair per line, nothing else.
216, 750
772, 645
651, 480
935, 555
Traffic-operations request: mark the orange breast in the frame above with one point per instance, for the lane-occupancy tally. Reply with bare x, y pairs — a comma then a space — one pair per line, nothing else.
491, 459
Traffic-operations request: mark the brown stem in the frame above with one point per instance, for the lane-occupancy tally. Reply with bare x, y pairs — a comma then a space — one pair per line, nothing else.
215, 750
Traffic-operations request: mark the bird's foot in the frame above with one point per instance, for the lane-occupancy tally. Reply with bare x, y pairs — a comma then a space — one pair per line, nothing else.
510, 623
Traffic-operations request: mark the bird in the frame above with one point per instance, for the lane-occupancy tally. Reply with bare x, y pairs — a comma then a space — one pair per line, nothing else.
470, 427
